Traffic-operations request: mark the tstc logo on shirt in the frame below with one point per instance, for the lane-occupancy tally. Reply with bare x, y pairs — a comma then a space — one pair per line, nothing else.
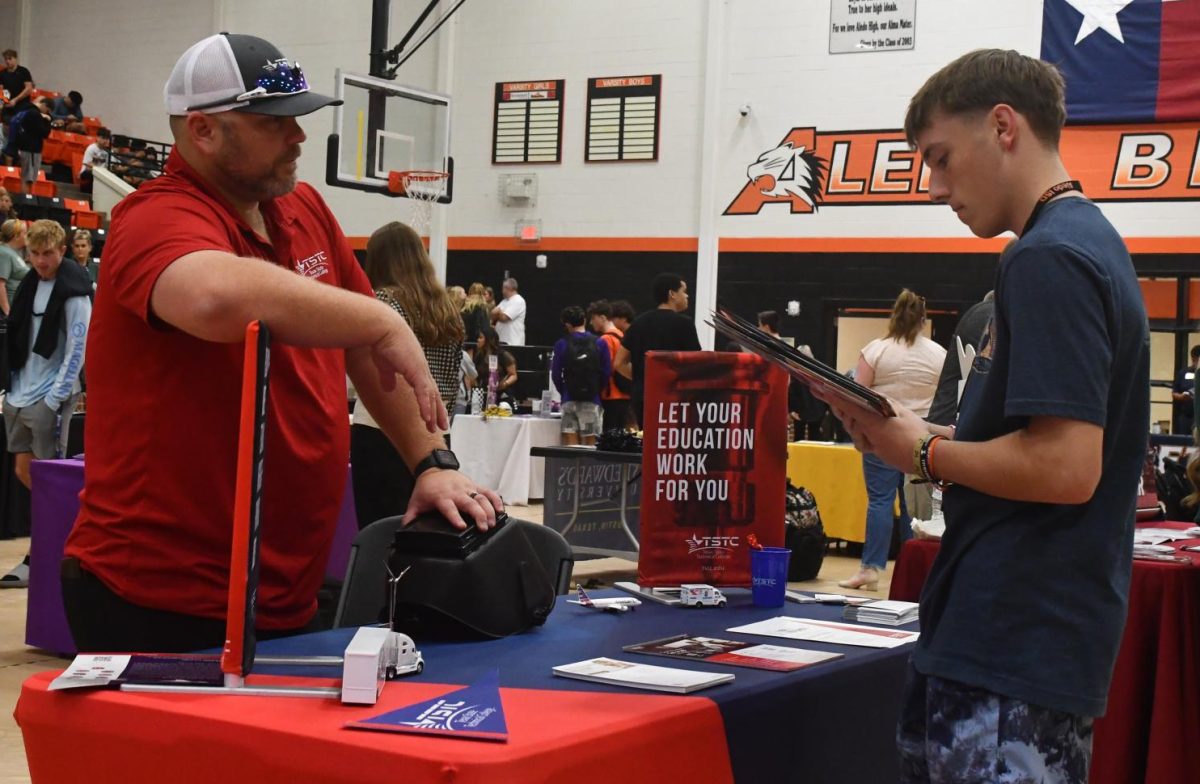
315, 266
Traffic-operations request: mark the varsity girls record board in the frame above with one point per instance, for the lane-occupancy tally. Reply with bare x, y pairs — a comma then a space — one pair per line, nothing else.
528, 122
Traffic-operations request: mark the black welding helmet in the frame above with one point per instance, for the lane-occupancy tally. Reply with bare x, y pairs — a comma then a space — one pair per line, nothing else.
472, 583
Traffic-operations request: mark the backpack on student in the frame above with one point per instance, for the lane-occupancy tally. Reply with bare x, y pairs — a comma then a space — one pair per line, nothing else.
581, 367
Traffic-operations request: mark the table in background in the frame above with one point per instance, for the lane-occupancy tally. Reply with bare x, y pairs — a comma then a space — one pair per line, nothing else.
55, 504
834, 475
494, 452
828, 724
1151, 731
593, 498
14, 498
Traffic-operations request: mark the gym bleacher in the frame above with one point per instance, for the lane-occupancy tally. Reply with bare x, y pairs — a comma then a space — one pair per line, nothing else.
55, 194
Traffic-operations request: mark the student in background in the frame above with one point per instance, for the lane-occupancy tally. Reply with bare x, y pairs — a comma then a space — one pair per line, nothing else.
623, 314
488, 345
46, 332
66, 108
580, 370
17, 84
663, 329
81, 254
615, 396
95, 155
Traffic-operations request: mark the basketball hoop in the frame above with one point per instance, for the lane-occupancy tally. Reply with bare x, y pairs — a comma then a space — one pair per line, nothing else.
424, 188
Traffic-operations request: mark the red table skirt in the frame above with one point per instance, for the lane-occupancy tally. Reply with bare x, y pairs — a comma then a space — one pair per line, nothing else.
554, 736
1151, 732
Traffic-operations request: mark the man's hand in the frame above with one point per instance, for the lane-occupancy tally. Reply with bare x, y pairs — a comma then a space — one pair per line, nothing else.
455, 497
399, 352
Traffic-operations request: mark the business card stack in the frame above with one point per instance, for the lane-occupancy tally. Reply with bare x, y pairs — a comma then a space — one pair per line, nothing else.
885, 612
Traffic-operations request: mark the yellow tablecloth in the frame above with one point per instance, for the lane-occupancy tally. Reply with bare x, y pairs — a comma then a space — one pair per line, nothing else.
833, 472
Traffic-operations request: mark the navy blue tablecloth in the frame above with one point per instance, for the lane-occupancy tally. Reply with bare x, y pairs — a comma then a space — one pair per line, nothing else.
834, 722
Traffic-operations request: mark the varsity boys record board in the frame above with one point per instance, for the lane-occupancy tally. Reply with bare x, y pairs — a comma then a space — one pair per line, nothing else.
622, 118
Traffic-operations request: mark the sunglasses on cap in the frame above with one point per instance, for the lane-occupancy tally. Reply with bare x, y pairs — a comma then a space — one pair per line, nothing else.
279, 78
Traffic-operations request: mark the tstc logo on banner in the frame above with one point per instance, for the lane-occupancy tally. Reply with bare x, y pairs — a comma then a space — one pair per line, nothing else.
714, 546
809, 169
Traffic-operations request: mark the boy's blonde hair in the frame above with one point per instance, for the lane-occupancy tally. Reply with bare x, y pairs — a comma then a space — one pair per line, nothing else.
45, 234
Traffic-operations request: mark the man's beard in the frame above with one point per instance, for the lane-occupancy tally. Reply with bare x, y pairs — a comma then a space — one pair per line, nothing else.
242, 171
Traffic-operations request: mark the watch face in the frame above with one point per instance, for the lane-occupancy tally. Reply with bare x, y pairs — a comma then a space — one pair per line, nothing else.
444, 458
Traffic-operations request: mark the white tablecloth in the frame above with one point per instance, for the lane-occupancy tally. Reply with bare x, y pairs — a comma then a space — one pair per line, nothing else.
495, 453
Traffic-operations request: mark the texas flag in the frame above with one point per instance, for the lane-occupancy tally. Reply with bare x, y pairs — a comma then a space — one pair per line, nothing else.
1126, 60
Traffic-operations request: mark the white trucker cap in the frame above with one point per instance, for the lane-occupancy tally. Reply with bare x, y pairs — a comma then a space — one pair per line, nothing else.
242, 73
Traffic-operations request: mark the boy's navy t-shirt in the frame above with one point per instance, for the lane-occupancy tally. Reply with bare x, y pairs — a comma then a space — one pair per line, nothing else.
1027, 599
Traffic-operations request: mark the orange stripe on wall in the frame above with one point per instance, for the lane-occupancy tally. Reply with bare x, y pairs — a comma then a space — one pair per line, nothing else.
659, 244
860, 245
1159, 298
789, 244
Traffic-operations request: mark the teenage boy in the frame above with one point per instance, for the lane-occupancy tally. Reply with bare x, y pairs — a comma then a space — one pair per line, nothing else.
95, 155
663, 329
615, 395
1023, 610
47, 328
580, 368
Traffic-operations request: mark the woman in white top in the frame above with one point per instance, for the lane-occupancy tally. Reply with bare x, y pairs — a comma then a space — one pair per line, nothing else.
905, 367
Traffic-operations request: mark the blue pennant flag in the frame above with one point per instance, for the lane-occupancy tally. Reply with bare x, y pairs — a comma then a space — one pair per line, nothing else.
473, 712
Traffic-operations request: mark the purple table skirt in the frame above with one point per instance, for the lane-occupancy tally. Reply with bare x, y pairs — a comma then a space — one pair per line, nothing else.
55, 505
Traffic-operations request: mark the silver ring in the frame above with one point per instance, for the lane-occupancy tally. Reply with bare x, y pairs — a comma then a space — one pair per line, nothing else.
474, 495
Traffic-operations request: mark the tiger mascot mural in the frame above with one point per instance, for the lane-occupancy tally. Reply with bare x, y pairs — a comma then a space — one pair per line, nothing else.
789, 171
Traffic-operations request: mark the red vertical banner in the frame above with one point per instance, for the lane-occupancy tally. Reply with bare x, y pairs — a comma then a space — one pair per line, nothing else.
714, 465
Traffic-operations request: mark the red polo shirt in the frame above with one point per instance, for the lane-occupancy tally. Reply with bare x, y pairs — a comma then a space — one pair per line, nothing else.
157, 506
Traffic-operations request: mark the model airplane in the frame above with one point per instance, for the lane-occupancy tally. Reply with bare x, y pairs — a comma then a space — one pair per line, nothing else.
618, 604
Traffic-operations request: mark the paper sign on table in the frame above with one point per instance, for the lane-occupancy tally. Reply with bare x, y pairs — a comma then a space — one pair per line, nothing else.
473, 712
829, 632
641, 676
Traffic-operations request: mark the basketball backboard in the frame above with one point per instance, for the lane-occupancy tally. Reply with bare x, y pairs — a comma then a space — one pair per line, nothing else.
385, 127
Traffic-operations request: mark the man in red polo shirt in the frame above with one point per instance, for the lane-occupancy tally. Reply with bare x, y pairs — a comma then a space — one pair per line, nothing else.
224, 237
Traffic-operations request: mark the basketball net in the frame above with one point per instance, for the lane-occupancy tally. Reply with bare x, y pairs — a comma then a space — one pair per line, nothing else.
423, 188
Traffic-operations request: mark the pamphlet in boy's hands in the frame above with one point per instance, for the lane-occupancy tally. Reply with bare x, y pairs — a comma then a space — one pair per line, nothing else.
641, 676
734, 652
816, 375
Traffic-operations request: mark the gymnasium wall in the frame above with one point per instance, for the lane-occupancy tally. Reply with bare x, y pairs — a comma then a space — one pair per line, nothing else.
629, 220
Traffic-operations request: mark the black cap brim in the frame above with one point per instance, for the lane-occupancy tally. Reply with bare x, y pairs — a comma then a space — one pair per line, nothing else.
289, 105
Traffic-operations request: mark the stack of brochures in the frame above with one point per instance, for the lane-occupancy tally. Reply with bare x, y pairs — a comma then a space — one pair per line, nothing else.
888, 613
641, 676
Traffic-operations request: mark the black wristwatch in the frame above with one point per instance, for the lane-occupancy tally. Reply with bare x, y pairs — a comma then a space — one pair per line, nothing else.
438, 458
